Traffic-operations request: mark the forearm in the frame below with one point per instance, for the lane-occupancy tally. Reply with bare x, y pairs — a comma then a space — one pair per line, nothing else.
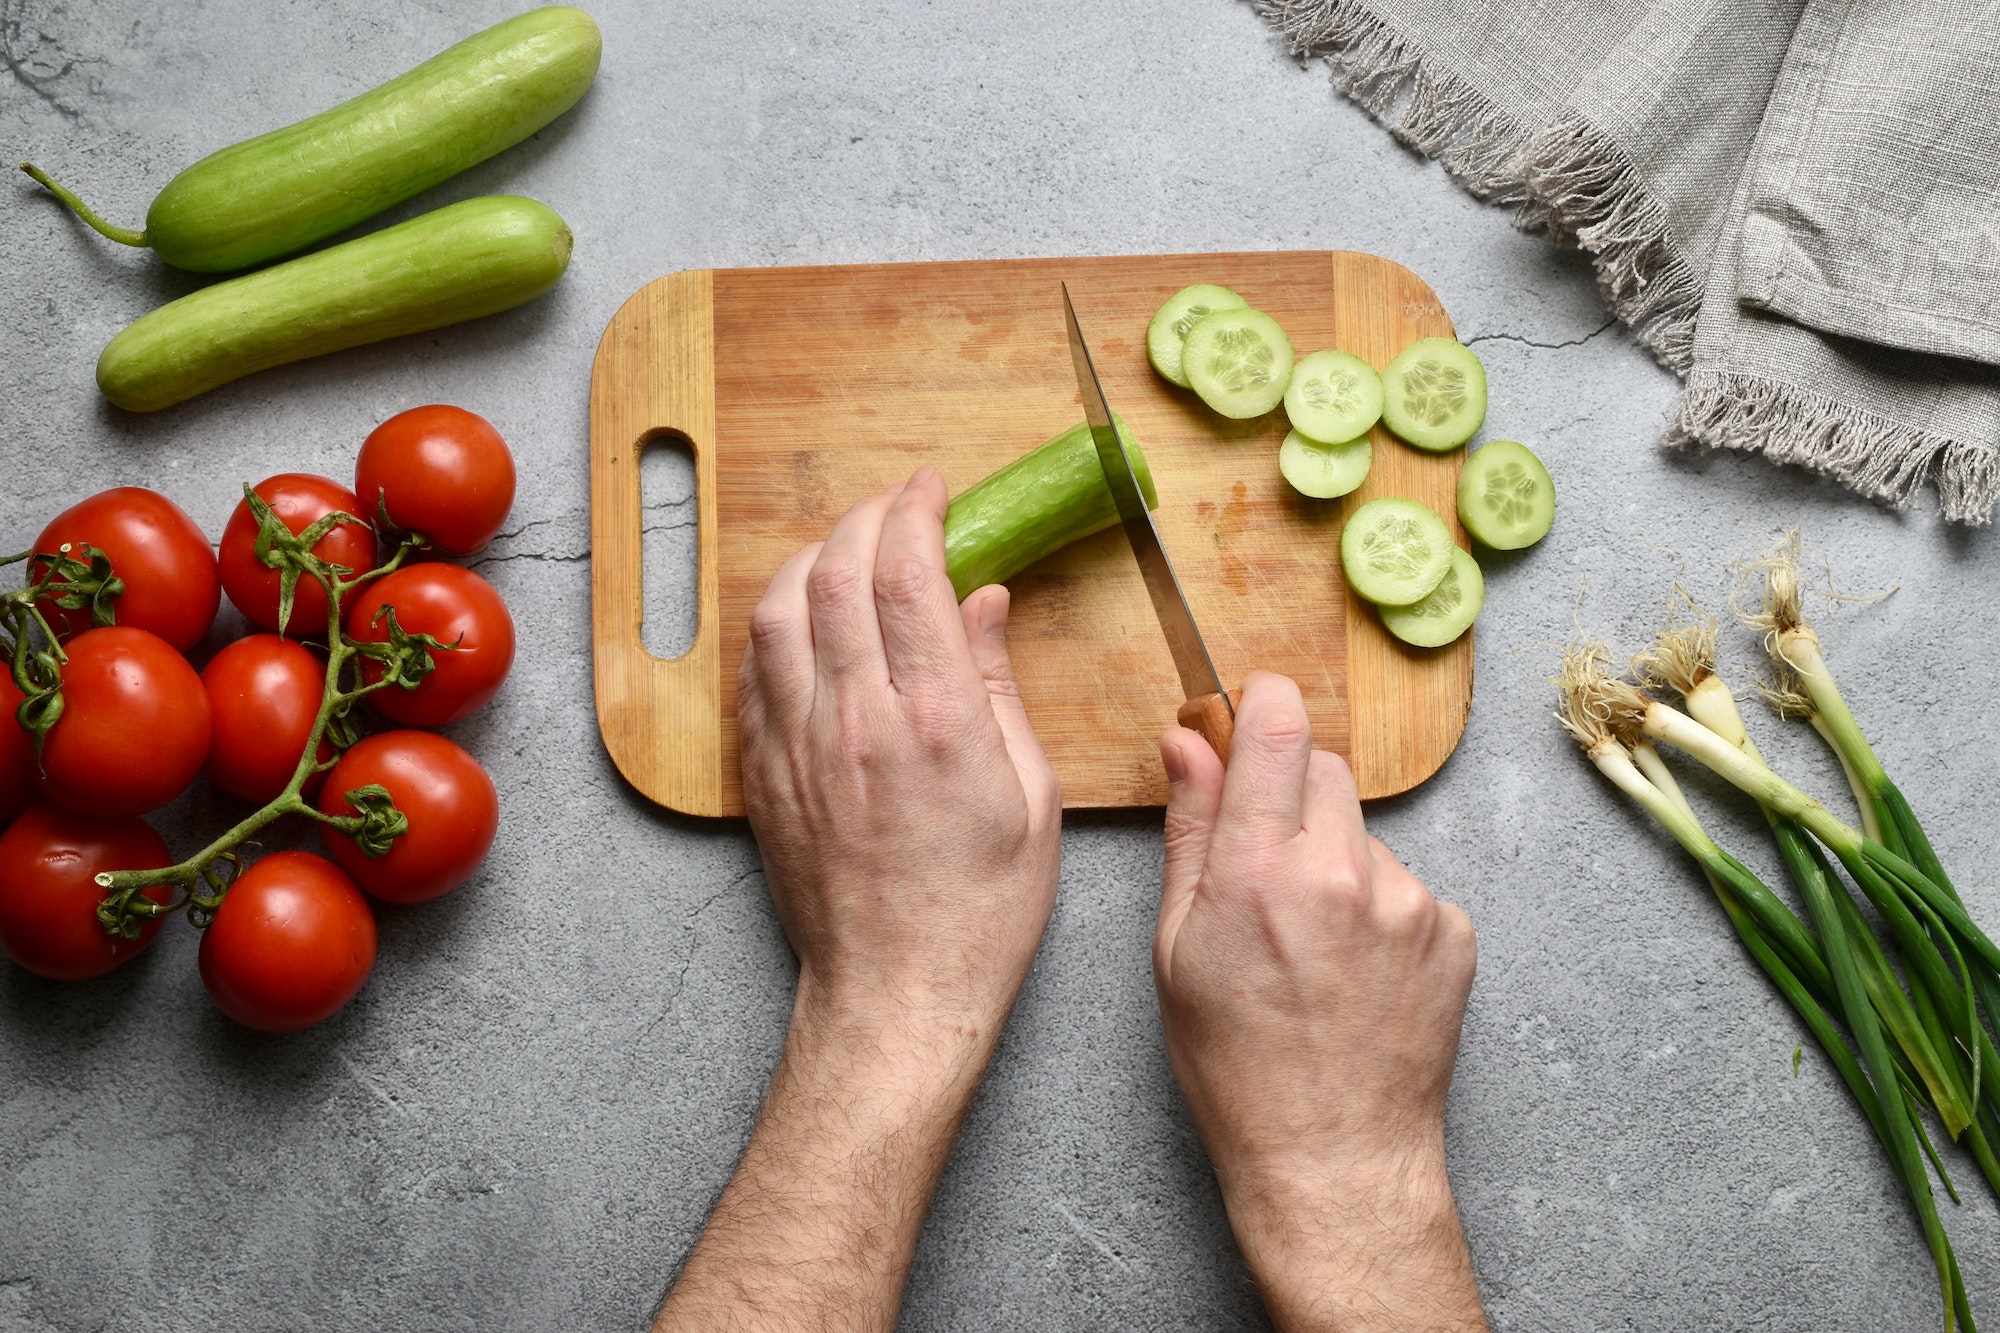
1358, 1249
817, 1226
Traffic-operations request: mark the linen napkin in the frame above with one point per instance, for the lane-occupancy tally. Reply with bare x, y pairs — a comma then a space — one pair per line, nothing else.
1794, 203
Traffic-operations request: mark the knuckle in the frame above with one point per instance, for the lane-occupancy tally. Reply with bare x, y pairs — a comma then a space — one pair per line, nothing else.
1048, 795
1405, 907
902, 580
1460, 937
1281, 726
936, 722
1412, 916
1346, 880
768, 627
833, 582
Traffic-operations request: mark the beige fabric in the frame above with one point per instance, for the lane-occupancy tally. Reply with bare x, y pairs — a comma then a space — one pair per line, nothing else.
1792, 202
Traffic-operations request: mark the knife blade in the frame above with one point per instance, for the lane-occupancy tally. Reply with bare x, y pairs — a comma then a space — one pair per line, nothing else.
1210, 709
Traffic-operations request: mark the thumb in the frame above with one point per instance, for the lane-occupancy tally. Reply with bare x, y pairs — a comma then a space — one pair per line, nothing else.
1194, 796
985, 615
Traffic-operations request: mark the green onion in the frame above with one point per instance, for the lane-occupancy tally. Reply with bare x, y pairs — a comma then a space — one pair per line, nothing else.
1606, 716
1886, 815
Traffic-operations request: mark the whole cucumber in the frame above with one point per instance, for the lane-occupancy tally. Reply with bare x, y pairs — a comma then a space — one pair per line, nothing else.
460, 262
1035, 506
280, 192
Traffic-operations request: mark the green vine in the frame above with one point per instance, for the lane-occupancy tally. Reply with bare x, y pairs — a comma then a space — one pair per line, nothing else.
199, 883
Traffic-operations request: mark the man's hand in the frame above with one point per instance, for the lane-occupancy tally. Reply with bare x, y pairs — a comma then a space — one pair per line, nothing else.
909, 821
1312, 991
911, 828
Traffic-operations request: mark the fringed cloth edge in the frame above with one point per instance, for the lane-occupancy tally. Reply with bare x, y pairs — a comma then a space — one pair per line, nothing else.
1881, 459
1563, 178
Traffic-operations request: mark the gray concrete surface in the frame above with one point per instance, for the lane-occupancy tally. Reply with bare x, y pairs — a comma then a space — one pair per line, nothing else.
522, 1121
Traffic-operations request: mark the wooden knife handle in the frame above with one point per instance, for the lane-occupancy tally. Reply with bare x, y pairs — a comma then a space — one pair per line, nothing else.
1214, 719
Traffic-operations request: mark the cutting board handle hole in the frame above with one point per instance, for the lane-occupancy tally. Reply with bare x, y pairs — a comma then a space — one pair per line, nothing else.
669, 542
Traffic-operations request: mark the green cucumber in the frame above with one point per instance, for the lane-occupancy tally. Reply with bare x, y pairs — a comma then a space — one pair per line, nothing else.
1446, 612
1324, 471
280, 192
1434, 394
1238, 361
470, 259
1395, 552
1035, 506
1505, 496
1182, 311
1333, 396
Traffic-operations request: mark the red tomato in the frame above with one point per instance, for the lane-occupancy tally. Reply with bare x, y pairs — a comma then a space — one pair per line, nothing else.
453, 606
444, 793
264, 693
291, 943
20, 779
49, 863
441, 471
167, 566
134, 728
300, 499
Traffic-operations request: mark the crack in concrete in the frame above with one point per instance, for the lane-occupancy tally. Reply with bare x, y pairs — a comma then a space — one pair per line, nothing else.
12, 27
1091, 1235
1550, 347
571, 557
687, 959
552, 557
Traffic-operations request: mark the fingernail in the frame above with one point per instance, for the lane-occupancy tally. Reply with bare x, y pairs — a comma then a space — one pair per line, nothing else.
921, 475
899, 487
993, 615
1174, 761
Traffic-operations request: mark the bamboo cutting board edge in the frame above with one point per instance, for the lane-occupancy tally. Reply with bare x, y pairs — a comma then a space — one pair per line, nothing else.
654, 378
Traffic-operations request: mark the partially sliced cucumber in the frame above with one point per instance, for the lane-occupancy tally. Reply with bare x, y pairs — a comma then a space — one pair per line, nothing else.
1171, 323
1505, 496
1395, 552
1333, 396
1324, 471
1447, 612
1434, 394
1239, 361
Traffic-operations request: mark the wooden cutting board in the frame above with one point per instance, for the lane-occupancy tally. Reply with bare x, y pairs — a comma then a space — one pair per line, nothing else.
800, 390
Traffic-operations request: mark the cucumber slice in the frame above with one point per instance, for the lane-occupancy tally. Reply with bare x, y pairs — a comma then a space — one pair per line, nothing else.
1239, 361
1171, 323
1434, 394
1505, 496
1324, 471
1395, 552
1333, 396
1449, 610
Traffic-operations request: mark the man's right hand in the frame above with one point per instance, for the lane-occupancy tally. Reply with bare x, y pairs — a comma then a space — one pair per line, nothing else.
1312, 991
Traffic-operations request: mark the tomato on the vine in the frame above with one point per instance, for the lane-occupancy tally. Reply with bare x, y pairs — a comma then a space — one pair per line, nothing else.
49, 863
20, 777
264, 693
134, 728
165, 562
456, 607
300, 500
440, 471
449, 800
292, 942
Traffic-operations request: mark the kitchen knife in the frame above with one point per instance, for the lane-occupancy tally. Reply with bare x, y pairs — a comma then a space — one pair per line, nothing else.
1209, 709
